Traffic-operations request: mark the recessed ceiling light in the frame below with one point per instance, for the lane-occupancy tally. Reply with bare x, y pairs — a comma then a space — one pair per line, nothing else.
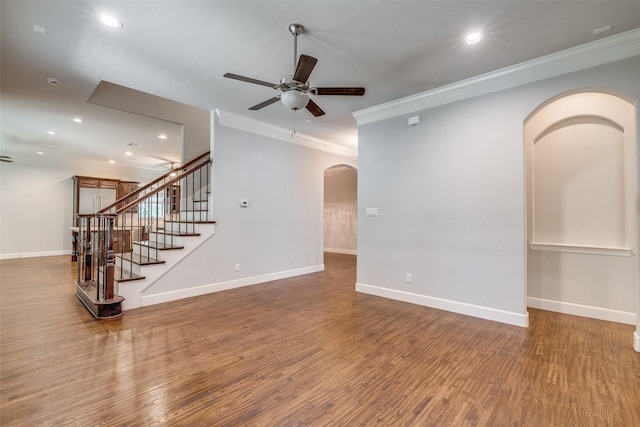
78, 120
39, 29
110, 21
39, 152
53, 81
52, 132
128, 153
112, 161
162, 136
473, 38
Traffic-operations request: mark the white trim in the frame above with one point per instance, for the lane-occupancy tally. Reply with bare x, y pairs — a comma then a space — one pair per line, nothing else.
636, 341
223, 286
512, 318
276, 132
603, 51
34, 254
580, 249
341, 251
583, 310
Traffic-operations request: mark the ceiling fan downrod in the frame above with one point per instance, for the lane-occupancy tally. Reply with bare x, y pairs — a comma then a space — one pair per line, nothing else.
295, 29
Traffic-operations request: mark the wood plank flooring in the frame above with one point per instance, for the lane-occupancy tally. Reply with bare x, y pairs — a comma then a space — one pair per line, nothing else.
305, 351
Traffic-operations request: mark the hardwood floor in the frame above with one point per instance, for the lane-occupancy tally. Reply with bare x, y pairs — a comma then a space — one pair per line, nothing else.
299, 352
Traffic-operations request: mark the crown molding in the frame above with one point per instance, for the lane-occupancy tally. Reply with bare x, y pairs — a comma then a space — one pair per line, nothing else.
276, 132
621, 46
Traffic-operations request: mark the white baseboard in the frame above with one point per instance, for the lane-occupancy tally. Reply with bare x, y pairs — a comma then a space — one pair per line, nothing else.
34, 254
223, 286
583, 310
636, 341
342, 251
517, 319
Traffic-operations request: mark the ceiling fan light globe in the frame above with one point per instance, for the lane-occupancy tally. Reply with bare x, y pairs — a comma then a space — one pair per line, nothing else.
294, 99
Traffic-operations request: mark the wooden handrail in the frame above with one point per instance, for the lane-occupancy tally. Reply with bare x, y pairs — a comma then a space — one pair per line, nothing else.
151, 184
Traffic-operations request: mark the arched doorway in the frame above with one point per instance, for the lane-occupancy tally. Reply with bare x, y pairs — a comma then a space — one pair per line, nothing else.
340, 209
582, 217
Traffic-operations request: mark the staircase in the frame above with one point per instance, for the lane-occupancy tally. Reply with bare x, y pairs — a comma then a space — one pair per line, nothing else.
126, 247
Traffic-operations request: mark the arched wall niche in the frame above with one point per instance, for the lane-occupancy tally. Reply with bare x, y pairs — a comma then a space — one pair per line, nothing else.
580, 153
341, 209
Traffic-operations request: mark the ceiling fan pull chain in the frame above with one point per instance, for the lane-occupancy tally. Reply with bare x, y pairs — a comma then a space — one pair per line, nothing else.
293, 123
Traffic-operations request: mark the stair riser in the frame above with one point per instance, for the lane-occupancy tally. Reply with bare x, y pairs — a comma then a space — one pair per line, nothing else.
146, 251
181, 227
134, 268
163, 238
200, 206
194, 215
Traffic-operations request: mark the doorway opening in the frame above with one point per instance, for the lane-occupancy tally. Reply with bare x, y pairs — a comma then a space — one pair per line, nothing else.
341, 210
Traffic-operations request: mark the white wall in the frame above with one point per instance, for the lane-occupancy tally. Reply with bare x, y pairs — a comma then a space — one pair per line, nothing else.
280, 234
581, 210
36, 207
341, 210
450, 195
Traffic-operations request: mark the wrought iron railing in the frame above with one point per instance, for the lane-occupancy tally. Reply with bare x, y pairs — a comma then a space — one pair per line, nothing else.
114, 242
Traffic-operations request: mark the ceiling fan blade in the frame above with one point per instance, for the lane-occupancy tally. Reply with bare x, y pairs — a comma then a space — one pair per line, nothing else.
6, 159
352, 91
250, 80
304, 68
265, 103
314, 109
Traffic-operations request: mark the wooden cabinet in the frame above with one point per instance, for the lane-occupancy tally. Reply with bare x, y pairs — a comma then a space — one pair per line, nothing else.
91, 194
172, 199
121, 241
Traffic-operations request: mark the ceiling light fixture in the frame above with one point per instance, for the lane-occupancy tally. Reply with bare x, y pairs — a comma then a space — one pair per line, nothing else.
294, 99
78, 120
473, 38
52, 132
162, 136
128, 153
112, 161
39, 152
110, 21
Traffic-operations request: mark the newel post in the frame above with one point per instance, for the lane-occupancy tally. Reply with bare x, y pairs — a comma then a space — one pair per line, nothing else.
110, 263
98, 292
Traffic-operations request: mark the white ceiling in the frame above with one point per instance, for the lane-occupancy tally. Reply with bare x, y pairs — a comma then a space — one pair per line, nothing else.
179, 50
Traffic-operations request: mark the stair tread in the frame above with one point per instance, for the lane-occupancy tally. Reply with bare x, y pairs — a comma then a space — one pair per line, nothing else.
122, 275
175, 233
126, 276
190, 222
140, 260
158, 245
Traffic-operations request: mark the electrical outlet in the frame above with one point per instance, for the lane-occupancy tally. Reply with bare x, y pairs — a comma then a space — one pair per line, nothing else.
407, 278
237, 267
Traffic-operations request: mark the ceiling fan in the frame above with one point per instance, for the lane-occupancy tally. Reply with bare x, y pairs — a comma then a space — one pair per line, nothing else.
6, 159
295, 88
167, 164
